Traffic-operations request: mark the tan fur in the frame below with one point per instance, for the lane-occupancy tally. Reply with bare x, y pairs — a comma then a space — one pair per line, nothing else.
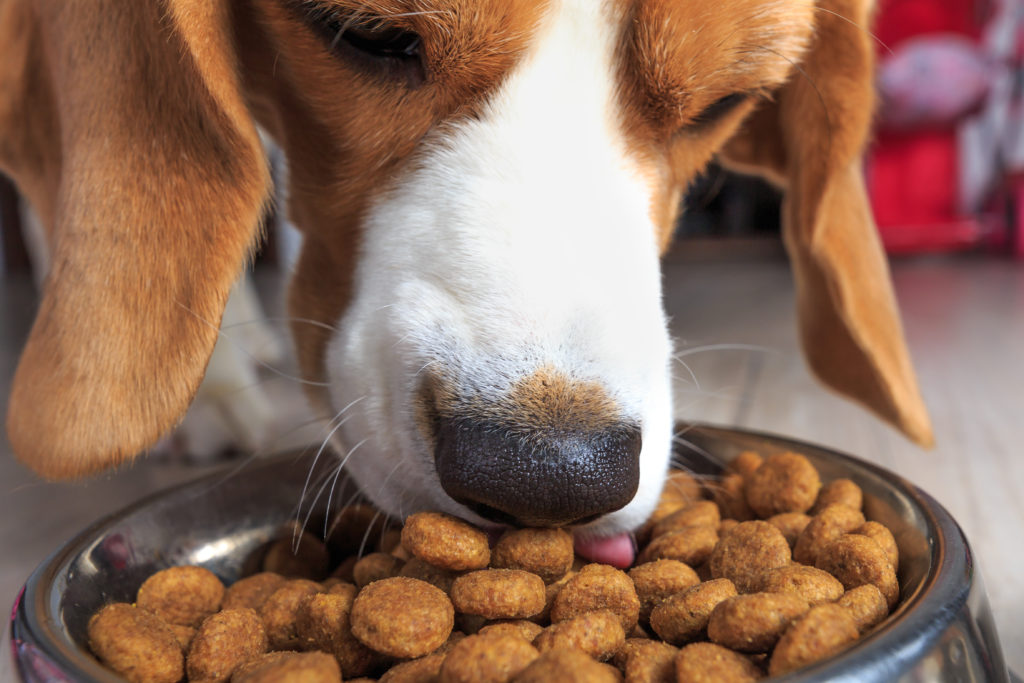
130, 127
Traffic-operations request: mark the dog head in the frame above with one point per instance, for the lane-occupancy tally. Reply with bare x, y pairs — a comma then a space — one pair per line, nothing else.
484, 189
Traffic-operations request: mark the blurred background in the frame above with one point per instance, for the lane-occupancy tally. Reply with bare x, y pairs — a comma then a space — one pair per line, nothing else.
946, 177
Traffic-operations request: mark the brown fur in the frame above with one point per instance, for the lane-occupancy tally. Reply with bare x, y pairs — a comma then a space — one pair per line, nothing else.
130, 127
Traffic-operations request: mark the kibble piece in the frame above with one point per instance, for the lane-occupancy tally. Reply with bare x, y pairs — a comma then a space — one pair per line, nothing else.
323, 623
866, 605
647, 661
402, 617
598, 634
225, 641
655, 581
521, 628
598, 587
551, 591
701, 513
567, 666
252, 591
884, 538
487, 659
725, 526
684, 617
353, 527
786, 482
856, 560
181, 595
745, 463
136, 644
444, 541
839, 492
424, 571
280, 612
822, 632
548, 553
791, 524
691, 545
184, 635
710, 663
374, 567
731, 498
748, 553
297, 554
422, 670
810, 583
499, 593
754, 622
826, 526
276, 667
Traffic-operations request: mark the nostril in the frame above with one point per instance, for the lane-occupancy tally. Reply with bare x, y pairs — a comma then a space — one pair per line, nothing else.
537, 477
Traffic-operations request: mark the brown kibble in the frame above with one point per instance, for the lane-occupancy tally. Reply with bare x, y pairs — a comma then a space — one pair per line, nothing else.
297, 554
567, 666
729, 493
826, 526
374, 567
225, 641
598, 634
655, 581
390, 539
856, 560
136, 643
353, 527
680, 490
786, 482
499, 593
822, 632
402, 617
684, 617
725, 526
252, 591
181, 595
791, 524
710, 663
422, 670
810, 583
598, 587
754, 622
866, 605
881, 535
487, 659
280, 612
424, 571
184, 635
445, 541
522, 628
745, 464
323, 623
701, 513
304, 667
548, 553
648, 661
748, 553
839, 492
691, 545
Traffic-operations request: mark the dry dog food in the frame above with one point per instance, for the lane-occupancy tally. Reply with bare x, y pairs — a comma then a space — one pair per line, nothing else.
761, 572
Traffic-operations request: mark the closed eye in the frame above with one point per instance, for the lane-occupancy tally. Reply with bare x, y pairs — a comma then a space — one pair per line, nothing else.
718, 110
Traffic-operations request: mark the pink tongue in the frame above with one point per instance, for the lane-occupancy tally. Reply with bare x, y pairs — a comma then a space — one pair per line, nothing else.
617, 551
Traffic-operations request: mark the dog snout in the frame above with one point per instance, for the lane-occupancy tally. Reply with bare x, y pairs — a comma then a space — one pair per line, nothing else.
538, 477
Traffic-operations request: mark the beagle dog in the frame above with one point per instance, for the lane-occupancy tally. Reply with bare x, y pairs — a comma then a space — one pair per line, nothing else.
484, 188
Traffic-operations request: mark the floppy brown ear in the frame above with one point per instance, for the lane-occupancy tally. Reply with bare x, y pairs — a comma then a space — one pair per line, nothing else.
124, 124
810, 140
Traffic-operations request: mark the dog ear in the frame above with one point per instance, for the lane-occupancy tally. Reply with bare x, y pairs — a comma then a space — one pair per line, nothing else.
125, 124
810, 139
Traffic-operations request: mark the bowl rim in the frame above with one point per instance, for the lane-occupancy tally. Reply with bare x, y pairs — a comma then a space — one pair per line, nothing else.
37, 636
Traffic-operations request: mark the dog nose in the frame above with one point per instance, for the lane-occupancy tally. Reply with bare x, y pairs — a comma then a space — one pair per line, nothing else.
537, 477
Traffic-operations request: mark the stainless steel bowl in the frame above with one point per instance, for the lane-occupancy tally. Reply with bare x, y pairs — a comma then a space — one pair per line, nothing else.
941, 631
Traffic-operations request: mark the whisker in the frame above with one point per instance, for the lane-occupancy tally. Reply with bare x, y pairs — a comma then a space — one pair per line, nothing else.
854, 23
704, 348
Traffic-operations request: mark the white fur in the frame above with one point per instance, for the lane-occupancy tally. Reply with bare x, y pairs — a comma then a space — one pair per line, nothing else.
521, 239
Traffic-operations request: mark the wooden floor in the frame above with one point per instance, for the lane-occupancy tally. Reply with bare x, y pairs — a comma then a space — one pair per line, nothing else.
733, 320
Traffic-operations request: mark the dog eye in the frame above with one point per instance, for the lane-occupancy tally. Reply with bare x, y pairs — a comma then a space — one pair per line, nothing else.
717, 110
380, 40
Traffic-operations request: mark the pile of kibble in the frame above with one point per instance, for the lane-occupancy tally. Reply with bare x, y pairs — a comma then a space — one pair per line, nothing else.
757, 573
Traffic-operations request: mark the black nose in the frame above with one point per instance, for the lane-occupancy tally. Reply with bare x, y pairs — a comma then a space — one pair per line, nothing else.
540, 478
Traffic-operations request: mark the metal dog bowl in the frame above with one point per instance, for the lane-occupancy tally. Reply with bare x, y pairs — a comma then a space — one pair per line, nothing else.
942, 629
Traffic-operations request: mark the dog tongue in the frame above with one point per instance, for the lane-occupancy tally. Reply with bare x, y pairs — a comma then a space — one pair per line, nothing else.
618, 551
